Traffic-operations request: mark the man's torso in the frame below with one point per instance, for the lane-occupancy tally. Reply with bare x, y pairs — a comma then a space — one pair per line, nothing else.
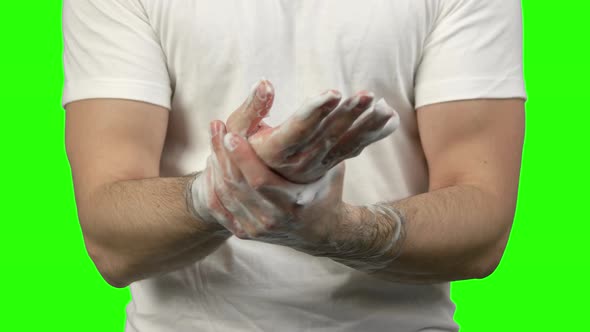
215, 50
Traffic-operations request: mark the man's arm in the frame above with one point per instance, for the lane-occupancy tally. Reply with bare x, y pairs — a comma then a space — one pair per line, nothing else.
460, 227
134, 223
457, 230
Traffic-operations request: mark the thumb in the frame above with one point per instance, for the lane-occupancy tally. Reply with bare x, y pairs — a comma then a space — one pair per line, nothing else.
245, 120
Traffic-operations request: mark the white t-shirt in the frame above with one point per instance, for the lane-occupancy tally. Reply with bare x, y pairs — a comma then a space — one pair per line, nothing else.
199, 58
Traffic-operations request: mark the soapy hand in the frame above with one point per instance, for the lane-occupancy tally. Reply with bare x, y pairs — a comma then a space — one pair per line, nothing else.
260, 205
239, 191
319, 135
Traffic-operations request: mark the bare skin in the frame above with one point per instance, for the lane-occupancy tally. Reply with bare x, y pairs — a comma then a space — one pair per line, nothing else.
319, 135
136, 224
458, 230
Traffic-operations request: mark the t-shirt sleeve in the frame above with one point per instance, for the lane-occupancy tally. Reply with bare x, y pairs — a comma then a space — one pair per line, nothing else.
473, 51
112, 51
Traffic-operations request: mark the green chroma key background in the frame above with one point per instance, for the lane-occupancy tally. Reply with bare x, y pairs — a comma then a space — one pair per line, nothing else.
48, 282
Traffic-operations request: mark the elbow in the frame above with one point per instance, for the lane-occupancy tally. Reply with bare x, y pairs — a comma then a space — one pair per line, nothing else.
487, 263
112, 275
110, 266
114, 281
484, 267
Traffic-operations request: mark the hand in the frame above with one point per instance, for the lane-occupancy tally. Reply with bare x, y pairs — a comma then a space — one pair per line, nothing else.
328, 142
258, 204
247, 121
318, 136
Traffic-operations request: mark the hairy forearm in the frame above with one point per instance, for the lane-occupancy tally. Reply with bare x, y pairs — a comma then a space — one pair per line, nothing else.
139, 228
453, 233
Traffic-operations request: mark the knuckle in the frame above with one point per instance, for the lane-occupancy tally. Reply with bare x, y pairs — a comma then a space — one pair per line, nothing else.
259, 182
355, 152
333, 155
268, 224
327, 162
333, 135
242, 235
257, 233
296, 130
240, 229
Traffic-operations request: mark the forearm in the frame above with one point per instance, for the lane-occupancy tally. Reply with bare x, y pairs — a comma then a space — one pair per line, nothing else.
139, 228
453, 233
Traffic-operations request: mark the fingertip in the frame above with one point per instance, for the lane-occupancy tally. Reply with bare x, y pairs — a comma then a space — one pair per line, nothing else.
220, 128
263, 91
324, 102
361, 100
395, 121
269, 87
335, 94
383, 109
390, 127
382, 103
253, 90
366, 93
365, 101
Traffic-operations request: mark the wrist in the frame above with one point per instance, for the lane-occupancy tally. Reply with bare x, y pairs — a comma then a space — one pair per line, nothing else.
350, 227
391, 223
368, 238
196, 202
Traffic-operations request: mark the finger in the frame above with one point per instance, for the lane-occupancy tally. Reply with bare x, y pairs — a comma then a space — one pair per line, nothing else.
214, 206
336, 124
262, 126
242, 226
378, 124
224, 172
255, 215
229, 171
255, 172
259, 177
246, 119
248, 208
333, 128
306, 119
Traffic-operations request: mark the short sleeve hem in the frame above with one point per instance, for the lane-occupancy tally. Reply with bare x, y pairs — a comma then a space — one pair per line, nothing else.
149, 92
465, 89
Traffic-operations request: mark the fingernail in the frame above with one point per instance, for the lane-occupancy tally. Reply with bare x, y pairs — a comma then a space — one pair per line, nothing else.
263, 90
352, 103
230, 142
322, 100
333, 93
365, 100
391, 125
366, 93
253, 92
